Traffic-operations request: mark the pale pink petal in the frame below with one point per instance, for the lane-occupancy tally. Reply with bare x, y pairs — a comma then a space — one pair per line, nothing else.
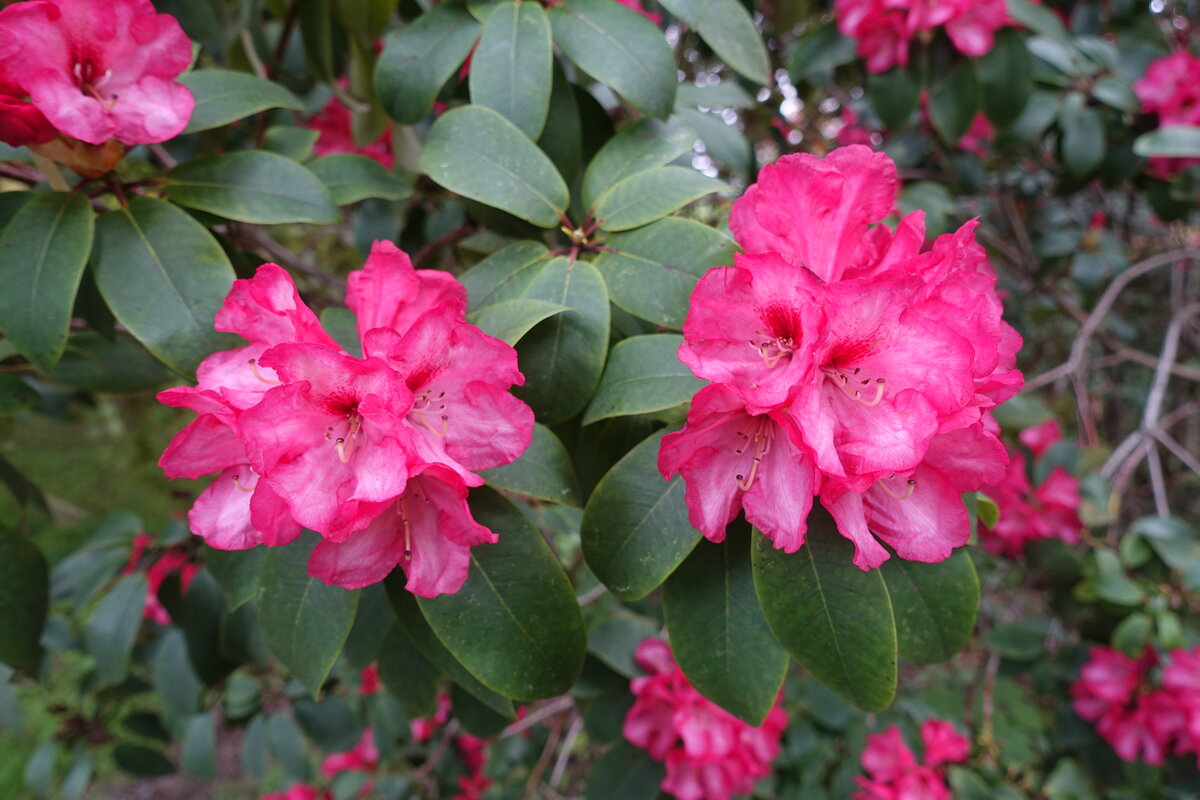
206, 445
365, 557
850, 513
267, 309
221, 514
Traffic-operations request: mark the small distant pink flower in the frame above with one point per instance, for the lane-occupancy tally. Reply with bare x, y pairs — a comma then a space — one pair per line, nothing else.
364, 757
1041, 437
709, 753
335, 135
100, 69
636, 5
943, 743
368, 680
894, 772
884, 28
977, 137
423, 728
1113, 692
173, 561
1051, 511
1169, 89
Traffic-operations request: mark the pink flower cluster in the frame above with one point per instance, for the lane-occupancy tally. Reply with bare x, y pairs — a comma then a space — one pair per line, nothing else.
94, 71
1140, 720
363, 757
1170, 89
175, 560
884, 28
845, 363
895, 773
471, 750
375, 454
709, 753
1051, 511
335, 135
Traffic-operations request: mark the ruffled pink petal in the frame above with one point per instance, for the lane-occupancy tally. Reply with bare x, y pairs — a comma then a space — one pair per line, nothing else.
206, 445
267, 310
221, 514
388, 293
924, 526
850, 513
365, 557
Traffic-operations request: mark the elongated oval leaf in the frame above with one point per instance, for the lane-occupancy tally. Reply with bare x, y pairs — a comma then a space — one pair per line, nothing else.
510, 320
252, 186
511, 67
1083, 143
481, 155
304, 621
543, 471
718, 633
625, 772
350, 178
418, 60
651, 195
893, 95
621, 49
164, 277
515, 623
24, 601
643, 375
503, 273
198, 751
729, 30
935, 605
1006, 78
652, 271
237, 571
174, 678
223, 96
644, 145
42, 254
834, 618
15, 394
113, 625
1174, 141
635, 528
954, 101
407, 674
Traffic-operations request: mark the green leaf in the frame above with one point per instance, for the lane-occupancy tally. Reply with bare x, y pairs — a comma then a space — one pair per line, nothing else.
290, 141
304, 621
251, 186
223, 96
650, 195
413, 621
481, 155
1006, 78
330, 724
254, 749
407, 674
718, 633
42, 254
142, 761
635, 528
625, 772
621, 49
111, 629
15, 394
288, 746
652, 271
164, 277
643, 375
954, 101
562, 135
934, 605
515, 624
722, 141
893, 95
729, 30
78, 777
1021, 641
987, 510
1176, 141
237, 571
644, 145
39, 769
1039, 19
727, 94
1133, 633
821, 48
174, 679
342, 325
511, 67
503, 273
614, 641
510, 320
834, 618
350, 178
418, 60
198, 751
1083, 143
24, 601
544, 471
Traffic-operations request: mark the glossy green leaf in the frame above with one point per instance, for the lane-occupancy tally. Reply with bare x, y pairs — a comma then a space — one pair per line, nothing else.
722, 141
625, 772
510, 320
198, 750
635, 528
562, 136
504, 273
111, 628
1006, 78
652, 271
290, 141
934, 605
718, 633
237, 571
515, 624
287, 743
729, 30
251, 186
641, 199
614, 641
544, 471
407, 674
329, 724
350, 178
418, 60
511, 66
621, 49
643, 375
834, 618
223, 96
254, 749
481, 155
644, 145
78, 776
954, 101
304, 620
1174, 141
1037, 18
1083, 143
164, 277
42, 254
893, 95
24, 601
39, 769
412, 619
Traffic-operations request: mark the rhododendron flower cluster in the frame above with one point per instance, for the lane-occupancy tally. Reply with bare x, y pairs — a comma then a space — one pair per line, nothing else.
176, 560
98, 72
471, 750
894, 771
884, 28
375, 453
709, 753
845, 363
1169, 89
1050, 511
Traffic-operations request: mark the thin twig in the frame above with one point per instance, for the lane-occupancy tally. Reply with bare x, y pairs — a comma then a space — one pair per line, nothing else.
539, 769
544, 711
439, 752
254, 238
564, 752
51, 173
592, 595
164, 158
423, 256
252, 54
1158, 484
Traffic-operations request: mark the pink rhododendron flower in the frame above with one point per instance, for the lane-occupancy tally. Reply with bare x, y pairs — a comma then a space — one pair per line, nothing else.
636, 5
173, 561
1169, 89
423, 728
1113, 692
894, 771
709, 753
1041, 437
374, 453
884, 28
99, 69
1180, 714
368, 680
335, 135
364, 757
299, 791
21, 122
